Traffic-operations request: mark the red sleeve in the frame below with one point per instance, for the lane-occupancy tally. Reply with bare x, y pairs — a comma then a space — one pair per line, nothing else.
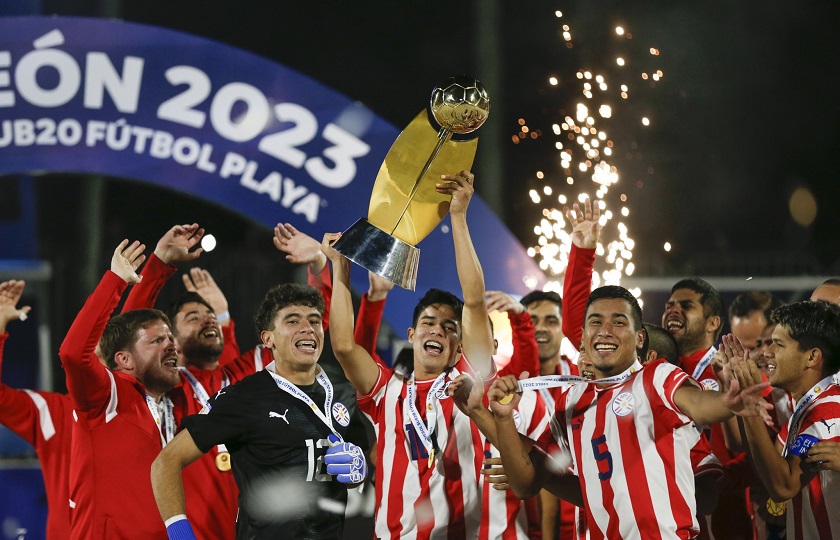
144, 294
323, 282
525, 355
576, 288
88, 381
230, 352
366, 330
737, 474
703, 461
17, 410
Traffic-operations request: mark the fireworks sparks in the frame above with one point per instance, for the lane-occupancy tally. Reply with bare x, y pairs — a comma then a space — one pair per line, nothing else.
587, 157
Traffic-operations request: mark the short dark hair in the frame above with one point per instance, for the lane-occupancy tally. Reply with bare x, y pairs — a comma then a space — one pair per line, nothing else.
404, 361
814, 325
121, 331
663, 343
750, 302
832, 281
284, 295
539, 296
609, 292
710, 298
437, 296
186, 298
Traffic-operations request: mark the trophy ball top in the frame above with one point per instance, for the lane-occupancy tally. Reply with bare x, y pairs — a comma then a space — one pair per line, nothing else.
460, 104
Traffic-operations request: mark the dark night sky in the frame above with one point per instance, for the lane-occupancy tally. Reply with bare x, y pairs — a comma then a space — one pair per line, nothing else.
745, 111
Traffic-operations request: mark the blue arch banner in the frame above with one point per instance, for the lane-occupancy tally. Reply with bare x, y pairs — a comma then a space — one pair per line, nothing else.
99, 96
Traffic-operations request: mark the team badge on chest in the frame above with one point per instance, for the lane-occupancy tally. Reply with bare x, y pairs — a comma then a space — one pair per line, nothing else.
710, 384
341, 414
623, 404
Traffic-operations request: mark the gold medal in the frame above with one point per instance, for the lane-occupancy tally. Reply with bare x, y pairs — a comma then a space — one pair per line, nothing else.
775, 509
507, 398
431, 458
223, 461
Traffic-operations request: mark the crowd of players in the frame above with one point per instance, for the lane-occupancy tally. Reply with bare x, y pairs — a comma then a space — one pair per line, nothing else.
623, 430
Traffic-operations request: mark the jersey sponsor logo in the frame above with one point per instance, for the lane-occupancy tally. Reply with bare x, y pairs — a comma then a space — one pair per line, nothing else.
341, 414
710, 384
623, 404
272, 414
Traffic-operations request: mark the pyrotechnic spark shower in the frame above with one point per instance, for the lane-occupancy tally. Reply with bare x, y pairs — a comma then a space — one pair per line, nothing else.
588, 158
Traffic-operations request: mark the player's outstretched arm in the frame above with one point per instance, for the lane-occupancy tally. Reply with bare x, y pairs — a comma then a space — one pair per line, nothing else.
300, 248
178, 244
476, 337
369, 318
577, 284
526, 356
88, 381
524, 468
783, 477
168, 486
199, 281
708, 407
10, 293
359, 367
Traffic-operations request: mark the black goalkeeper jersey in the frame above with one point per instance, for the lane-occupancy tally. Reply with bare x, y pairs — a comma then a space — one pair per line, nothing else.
277, 445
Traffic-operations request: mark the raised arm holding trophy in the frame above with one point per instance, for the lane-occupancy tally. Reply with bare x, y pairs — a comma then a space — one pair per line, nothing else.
404, 206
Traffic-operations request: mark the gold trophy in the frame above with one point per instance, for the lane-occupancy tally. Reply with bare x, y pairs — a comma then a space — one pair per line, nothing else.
404, 206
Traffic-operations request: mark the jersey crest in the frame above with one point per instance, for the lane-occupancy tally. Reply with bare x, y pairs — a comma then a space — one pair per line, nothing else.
710, 384
623, 404
341, 414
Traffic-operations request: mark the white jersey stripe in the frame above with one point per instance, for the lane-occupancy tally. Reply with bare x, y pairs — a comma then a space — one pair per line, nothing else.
631, 448
111, 410
258, 361
44, 417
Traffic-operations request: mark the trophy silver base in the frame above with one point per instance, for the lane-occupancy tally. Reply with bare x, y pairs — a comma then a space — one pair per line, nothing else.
377, 251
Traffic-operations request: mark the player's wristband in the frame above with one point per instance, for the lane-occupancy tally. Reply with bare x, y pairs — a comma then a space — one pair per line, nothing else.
223, 316
179, 528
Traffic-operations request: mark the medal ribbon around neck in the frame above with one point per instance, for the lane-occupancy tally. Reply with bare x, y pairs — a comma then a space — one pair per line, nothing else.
799, 413
426, 429
554, 381
704, 363
168, 421
202, 395
286, 386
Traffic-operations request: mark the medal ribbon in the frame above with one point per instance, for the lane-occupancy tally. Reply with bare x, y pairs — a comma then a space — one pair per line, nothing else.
168, 421
201, 394
704, 363
286, 386
426, 429
553, 381
799, 413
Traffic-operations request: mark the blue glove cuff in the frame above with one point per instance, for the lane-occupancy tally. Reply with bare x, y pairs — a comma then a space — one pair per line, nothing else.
180, 529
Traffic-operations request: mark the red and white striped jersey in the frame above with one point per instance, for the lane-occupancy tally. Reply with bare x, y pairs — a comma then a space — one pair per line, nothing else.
782, 407
814, 513
503, 514
703, 462
44, 420
414, 499
630, 446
